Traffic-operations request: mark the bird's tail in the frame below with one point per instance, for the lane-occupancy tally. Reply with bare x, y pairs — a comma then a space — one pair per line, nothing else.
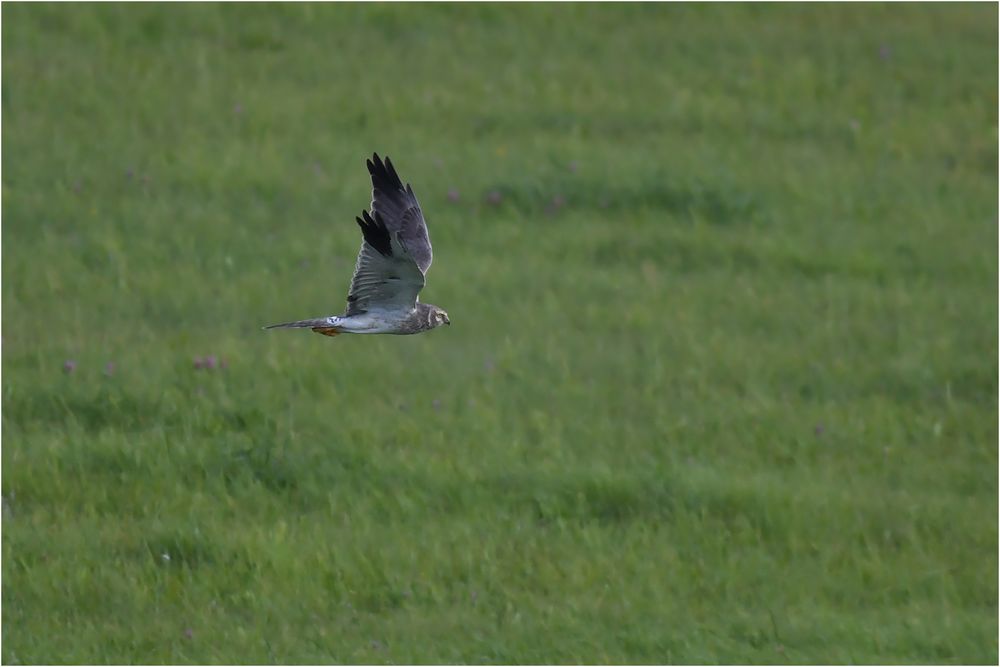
319, 325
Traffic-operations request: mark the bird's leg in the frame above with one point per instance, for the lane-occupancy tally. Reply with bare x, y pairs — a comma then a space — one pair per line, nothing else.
327, 331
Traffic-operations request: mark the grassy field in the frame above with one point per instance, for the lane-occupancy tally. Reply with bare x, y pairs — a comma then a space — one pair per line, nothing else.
721, 380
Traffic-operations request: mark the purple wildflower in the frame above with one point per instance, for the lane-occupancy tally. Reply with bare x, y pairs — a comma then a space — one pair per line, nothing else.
557, 203
453, 195
69, 366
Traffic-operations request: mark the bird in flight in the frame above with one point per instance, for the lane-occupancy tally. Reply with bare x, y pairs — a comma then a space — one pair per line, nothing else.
391, 266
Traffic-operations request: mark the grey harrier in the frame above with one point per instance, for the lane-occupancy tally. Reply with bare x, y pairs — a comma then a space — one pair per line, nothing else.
389, 273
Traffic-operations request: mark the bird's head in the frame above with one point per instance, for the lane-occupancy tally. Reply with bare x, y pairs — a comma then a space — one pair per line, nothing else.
432, 316
439, 317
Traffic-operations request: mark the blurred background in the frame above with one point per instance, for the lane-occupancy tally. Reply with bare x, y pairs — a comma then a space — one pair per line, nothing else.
721, 380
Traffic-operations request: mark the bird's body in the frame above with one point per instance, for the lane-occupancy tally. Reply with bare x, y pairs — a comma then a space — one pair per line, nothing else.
376, 321
391, 267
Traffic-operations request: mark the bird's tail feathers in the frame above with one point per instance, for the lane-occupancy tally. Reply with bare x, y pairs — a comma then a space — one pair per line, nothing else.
323, 322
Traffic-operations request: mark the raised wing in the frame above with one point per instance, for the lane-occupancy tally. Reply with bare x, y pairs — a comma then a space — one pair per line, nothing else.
399, 209
386, 276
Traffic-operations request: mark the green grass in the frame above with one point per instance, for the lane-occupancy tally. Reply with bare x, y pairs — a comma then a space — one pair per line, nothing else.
721, 383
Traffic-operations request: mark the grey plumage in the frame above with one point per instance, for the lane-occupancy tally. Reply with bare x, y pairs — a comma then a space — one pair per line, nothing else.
314, 323
381, 276
391, 267
399, 208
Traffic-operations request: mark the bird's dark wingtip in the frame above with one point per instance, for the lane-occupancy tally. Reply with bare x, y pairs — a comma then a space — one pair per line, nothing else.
383, 173
397, 181
375, 233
